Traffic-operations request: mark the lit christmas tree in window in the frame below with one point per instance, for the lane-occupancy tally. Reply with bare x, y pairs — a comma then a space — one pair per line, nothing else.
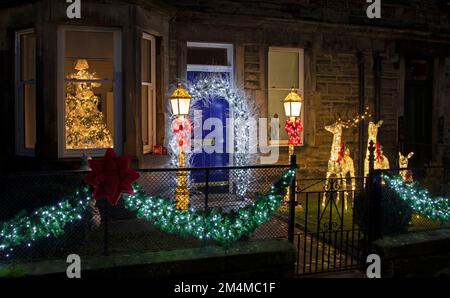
85, 123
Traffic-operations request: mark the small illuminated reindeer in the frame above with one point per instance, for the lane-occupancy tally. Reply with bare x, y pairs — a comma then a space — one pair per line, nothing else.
403, 164
339, 168
334, 167
372, 136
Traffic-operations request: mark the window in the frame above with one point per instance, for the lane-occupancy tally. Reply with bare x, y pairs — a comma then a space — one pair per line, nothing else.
210, 57
148, 92
285, 71
25, 92
89, 76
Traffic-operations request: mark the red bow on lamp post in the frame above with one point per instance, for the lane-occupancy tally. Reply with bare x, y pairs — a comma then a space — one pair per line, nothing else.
111, 177
294, 129
183, 129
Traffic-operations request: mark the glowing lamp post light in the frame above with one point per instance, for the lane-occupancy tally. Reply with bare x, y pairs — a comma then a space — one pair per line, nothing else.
293, 104
293, 108
180, 102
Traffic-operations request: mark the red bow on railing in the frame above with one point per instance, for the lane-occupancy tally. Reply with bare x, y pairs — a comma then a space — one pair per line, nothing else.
111, 176
183, 129
293, 129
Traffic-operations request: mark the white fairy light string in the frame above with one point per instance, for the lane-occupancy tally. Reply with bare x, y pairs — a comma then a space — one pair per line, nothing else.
203, 90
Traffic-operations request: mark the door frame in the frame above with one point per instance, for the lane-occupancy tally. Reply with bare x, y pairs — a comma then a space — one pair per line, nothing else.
216, 68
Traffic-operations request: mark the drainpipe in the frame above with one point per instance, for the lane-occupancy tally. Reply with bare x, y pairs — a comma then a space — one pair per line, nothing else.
361, 128
377, 84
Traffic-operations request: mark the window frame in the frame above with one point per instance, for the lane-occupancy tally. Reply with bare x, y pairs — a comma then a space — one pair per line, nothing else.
19, 106
214, 68
63, 152
151, 129
301, 90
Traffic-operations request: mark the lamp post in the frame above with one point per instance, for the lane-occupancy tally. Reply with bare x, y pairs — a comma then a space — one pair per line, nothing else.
180, 102
293, 108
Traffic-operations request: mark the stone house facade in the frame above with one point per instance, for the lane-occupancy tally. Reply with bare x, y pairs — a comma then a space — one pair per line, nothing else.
398, 66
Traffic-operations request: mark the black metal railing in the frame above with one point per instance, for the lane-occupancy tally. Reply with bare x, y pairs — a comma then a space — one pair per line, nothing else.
106, 230
331, 223
328, 237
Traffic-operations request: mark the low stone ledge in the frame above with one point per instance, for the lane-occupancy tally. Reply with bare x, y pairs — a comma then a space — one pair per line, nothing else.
418, 254
245, 259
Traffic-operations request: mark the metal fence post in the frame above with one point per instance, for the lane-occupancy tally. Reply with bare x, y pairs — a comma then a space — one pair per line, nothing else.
106, 218
373, 200
377, 214
292, 199
206, 189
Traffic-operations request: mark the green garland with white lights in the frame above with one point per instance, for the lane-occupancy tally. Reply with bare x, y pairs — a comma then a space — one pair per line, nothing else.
44, 222
222, 227
420, 200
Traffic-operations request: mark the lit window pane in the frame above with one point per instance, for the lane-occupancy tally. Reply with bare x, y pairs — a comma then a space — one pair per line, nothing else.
146, 61
89, 45
145, 114
148, 72
89, 115
207, 56
29, 116
26, 91
99, 69
89, 100
276, 110
283, 69
28, 56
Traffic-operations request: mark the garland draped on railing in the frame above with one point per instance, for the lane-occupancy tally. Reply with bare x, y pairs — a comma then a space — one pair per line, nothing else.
420, 200
44, 222
222, 227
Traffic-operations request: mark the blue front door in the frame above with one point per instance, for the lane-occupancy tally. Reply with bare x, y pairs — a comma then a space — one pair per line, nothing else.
216, 107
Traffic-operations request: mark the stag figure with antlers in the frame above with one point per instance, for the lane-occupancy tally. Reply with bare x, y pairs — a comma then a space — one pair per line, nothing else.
334, 168
340, 163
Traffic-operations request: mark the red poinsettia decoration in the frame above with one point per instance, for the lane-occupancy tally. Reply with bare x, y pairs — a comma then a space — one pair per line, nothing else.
111, 176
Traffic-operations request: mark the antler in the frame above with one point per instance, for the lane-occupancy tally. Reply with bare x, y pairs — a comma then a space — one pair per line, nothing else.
355, 121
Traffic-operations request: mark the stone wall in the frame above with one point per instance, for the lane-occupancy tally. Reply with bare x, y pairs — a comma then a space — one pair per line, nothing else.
417, 14
420, 254
330, 32
331, 65
255, 259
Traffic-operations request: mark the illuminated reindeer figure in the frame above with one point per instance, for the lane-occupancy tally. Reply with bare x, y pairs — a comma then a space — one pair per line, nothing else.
334, 166
372, 136
403, 164
340, 163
